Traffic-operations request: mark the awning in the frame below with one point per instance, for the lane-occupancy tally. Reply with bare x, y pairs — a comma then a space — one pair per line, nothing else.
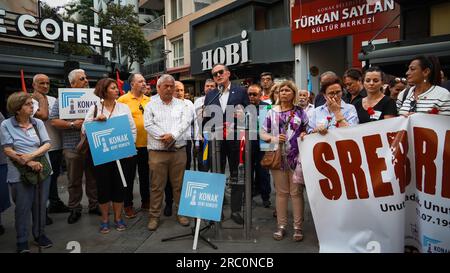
401, 54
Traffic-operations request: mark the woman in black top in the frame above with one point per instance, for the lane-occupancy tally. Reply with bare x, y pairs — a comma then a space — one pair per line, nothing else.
376, 105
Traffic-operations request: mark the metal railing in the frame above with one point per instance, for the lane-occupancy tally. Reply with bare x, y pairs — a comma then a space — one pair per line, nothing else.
154, 26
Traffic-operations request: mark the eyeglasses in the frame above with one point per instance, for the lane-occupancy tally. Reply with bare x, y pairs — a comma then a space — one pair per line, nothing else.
413, 106
402, 80
334, 94
83, 78
141, 108
215, 74
253, 94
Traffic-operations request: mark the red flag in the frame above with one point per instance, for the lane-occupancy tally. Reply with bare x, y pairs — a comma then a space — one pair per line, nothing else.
119, 83
22, 79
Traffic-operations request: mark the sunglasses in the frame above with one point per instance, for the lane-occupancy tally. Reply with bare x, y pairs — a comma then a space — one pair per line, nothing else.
141, 108
413, 106
402, 80
217, 73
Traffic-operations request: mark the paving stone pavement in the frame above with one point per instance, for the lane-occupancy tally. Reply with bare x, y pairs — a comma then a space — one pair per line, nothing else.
227, 236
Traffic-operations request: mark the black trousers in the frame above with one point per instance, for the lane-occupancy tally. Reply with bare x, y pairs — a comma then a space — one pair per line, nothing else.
260, 176
140, 160
230, 152
56, 158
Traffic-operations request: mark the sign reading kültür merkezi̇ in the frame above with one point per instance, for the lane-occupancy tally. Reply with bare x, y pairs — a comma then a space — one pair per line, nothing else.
74, 103
50, 29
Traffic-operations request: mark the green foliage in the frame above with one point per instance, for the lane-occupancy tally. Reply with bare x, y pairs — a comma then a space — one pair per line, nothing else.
82, 9
124, 23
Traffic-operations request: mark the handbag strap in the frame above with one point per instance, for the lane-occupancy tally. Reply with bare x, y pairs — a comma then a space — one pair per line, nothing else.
37, 133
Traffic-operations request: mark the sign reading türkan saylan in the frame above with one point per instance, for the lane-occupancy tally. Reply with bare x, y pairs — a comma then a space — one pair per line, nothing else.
74, 103
319, 20
382, 186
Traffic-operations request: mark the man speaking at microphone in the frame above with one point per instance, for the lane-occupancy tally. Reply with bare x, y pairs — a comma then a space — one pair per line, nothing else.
233, 96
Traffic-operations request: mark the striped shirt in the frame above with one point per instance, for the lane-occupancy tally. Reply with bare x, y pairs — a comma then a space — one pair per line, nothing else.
161, 118
435, 97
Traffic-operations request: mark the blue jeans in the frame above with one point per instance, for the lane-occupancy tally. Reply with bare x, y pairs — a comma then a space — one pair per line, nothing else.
27, 202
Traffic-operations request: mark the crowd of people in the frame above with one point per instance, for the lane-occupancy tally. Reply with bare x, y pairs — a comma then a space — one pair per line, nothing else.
169, 134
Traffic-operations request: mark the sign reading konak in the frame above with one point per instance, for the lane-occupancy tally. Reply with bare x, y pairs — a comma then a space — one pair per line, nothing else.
319, 20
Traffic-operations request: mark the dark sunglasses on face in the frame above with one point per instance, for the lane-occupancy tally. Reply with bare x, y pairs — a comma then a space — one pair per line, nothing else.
413, 106
215, 74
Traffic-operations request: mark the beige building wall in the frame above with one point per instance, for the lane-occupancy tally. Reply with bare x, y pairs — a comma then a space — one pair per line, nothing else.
180, 27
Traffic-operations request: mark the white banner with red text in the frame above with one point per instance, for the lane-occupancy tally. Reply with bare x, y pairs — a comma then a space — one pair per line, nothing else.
381, 186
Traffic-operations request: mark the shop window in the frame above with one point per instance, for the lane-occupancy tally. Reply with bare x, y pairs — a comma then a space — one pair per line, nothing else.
439, 19
178, 52
176, 9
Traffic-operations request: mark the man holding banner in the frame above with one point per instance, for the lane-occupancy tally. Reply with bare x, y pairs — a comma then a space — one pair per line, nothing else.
77, 163
165, 120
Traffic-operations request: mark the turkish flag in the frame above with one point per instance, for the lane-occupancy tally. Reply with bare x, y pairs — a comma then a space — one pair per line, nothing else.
22, 79
119, 83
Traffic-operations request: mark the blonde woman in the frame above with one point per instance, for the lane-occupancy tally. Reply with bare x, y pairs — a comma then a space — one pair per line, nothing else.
283, 125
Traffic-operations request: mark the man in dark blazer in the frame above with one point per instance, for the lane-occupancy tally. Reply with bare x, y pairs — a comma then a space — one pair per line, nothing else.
228, 94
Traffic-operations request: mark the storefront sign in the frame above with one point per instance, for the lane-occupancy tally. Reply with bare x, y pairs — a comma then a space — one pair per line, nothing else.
229, 54
110, 140
53, 30
74, 103
319, 20
381, 186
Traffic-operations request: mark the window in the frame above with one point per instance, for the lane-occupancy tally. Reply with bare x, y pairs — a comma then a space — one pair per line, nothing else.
178, 52
176, 9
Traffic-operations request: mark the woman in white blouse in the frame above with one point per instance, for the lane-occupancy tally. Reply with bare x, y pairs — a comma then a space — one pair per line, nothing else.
109, 184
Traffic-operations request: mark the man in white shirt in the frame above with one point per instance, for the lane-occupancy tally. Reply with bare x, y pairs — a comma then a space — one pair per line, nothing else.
303, 102
166, 122
42, 103
189, 110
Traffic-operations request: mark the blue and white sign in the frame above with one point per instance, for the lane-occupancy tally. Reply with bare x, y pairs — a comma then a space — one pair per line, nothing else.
264, 146
74, 103
202, 195
110, 140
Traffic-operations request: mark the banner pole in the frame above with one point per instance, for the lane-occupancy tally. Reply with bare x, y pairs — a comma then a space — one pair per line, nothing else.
197, 230
124, 182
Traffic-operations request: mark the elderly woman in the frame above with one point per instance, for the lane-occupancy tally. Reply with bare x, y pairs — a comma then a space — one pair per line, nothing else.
283, 125
426, 96
335, 112
110, 188
376, 106
25, 140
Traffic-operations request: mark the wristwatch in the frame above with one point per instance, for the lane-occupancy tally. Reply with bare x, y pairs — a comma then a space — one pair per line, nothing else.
71, 125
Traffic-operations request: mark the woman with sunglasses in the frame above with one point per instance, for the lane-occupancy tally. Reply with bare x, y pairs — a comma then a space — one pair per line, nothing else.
109, 185
376, 106
395, 86
426, 96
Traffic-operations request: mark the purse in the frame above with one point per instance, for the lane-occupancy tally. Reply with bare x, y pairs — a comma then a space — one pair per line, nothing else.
272, 159
30, 177
83, 146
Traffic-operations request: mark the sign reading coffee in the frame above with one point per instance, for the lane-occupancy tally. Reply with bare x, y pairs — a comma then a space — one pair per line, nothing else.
318, 20
52, 30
